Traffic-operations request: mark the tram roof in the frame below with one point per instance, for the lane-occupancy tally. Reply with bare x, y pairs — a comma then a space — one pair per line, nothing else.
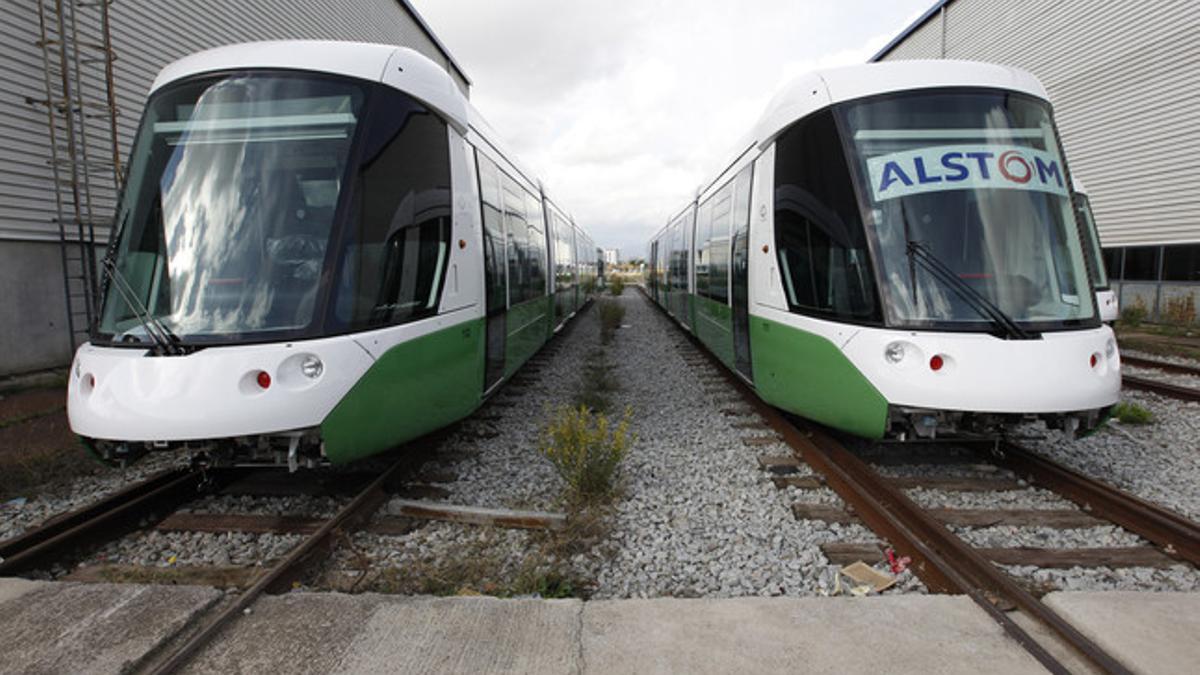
399, 67
822, 88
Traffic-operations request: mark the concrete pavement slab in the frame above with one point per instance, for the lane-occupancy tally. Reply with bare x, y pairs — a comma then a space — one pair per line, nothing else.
1148, 632
369, 633
92, 628
902, 634
12, 587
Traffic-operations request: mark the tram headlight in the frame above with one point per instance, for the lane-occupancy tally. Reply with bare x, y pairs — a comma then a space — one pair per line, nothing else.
1110, 349
312, 367
894, 352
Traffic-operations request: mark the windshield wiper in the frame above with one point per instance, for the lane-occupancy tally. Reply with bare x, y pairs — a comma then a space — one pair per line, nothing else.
980, 303
166, 342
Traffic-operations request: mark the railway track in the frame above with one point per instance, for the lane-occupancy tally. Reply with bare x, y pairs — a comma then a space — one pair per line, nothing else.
1158, 387
944, 561
155, 505
65, 537
292, 568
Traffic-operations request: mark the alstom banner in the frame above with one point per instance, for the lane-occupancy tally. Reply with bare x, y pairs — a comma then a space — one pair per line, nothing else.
957, 167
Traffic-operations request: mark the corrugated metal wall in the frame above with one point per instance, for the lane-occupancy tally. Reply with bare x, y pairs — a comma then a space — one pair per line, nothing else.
1124, 78
147, 34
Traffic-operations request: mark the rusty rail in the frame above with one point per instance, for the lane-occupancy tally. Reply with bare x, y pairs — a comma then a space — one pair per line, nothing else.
941, 559
108, 519
1177, 535
293, 567
1162, 388
1160, 365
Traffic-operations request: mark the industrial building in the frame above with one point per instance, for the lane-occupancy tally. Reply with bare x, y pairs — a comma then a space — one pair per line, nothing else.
1124, 79
75, 79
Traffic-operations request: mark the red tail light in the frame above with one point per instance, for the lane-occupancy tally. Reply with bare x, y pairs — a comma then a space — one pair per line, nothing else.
264, 379
936, 362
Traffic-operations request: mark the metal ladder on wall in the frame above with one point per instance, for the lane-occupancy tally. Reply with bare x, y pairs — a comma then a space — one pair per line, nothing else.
81, 113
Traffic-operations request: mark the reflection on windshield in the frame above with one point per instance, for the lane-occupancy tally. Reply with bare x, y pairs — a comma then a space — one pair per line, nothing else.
976, 181
230, 204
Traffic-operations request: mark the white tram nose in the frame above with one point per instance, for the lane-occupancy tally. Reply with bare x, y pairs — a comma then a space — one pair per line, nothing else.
1061, 372
218, 392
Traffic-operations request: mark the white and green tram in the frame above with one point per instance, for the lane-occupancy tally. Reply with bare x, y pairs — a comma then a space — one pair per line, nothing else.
893, 252
321, 251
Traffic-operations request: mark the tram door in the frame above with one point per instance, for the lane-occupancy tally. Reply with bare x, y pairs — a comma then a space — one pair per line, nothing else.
495, 264
740, 268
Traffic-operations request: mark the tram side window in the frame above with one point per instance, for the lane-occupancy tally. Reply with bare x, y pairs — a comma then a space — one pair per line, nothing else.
718, 255
518, 240
493, 233
393, 263
703, 238
819, 235
537, 248
563, 274
679, 258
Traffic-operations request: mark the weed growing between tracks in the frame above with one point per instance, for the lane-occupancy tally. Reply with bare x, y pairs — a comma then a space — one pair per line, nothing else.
586, 451
611, 315
598, 383
1132, 413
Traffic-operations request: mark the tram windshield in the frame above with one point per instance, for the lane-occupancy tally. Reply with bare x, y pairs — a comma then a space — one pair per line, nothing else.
229, 206
269, 205
968, 206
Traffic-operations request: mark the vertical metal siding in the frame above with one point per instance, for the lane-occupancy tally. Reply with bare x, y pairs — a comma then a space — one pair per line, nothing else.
1123, 78
923, 43
148, 34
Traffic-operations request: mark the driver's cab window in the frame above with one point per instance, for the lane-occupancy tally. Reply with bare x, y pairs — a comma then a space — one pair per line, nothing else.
398, 238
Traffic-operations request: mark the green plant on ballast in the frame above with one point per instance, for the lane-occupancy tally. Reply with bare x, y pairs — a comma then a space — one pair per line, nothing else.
598, 382
586, 450
1132, 413
616, 284
611, 315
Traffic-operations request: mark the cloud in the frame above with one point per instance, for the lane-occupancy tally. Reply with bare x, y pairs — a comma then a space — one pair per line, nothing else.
623, 107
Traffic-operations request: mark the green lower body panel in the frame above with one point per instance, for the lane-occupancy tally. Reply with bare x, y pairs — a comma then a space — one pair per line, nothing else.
526, 331
714, 327
808, 375
414, 388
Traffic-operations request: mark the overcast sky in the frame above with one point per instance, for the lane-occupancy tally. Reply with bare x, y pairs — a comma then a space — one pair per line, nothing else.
623, 107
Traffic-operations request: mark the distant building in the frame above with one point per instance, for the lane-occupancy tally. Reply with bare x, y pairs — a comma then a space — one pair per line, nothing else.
1122, 77
612, 256
39, 274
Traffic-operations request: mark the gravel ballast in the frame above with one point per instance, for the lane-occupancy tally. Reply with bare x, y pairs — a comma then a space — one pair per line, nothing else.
18, 516
1157, 462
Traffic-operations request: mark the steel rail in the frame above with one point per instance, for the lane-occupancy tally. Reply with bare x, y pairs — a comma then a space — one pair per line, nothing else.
942, 560
1154, 386
1160, 365
107, 520
1177, 535
61, 523
280, 577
